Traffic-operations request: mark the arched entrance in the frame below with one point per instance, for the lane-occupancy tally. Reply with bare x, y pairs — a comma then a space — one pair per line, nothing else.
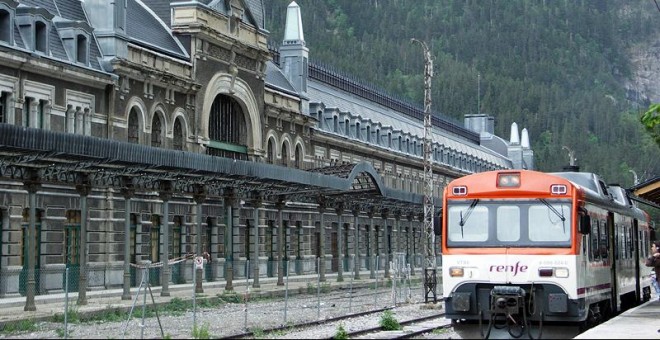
227, 129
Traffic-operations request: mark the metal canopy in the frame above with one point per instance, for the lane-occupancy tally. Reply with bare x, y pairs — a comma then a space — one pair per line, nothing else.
648, 192
57, 157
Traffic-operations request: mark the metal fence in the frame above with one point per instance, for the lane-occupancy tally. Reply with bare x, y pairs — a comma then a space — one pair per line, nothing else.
376, 285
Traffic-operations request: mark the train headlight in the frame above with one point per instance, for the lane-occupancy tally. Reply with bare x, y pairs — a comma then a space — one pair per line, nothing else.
545, 272
561, 272
511, 180
456, 272
556, 272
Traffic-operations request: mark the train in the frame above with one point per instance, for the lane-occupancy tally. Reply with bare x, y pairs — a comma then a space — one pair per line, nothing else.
524, 249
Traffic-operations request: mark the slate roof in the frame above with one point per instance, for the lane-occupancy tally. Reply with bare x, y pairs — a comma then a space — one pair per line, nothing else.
71, 9
254, 11
46, 4
66, 10
17, 37
330, 96
161, 9
144, 27
276, 80
257, 11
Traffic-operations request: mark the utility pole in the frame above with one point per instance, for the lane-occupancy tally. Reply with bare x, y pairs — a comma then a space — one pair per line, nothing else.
430, 279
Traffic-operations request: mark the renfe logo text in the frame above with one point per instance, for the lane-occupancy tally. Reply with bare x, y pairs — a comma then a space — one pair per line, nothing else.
515, 269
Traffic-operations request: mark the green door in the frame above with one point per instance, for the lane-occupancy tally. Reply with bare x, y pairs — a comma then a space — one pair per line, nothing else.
22, 280
206, 247
175, 252
71, 256
133, 252
154, 251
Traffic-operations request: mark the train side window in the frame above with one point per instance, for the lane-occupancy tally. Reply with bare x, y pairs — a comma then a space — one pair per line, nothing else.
603, 241
631, 243
618, 241
594, 253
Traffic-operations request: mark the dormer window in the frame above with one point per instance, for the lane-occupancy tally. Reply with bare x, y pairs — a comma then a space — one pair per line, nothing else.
40, 37
75, 37
233, 24
34, 26
82, 49
6, 31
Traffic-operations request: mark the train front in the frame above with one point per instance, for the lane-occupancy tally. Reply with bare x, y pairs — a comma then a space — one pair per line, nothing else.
508, 244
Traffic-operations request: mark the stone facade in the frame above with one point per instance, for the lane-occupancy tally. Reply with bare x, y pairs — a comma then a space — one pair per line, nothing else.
206, 82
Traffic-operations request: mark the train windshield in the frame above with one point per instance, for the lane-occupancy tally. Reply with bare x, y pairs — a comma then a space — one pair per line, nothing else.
509, 223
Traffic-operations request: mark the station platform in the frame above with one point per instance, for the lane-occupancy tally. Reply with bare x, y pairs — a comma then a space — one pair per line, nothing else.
641, 322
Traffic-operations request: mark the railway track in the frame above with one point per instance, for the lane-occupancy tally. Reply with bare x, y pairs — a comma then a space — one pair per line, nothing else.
411, 328
419, 328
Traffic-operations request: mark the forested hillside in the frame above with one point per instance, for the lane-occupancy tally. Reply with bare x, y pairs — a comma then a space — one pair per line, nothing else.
556, 67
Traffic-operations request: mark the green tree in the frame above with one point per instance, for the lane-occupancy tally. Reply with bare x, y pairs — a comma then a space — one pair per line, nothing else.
651, 121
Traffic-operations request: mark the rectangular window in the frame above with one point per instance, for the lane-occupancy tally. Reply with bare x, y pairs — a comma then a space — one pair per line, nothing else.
154, 242
3, 107
26, 111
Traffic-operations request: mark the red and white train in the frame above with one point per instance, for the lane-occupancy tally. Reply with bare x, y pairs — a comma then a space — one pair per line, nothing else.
521, 249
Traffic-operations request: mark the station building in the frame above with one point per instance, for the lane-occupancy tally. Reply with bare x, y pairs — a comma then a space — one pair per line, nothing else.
135, 130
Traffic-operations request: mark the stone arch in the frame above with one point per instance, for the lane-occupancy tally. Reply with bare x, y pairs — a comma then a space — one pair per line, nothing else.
179, 117
285, 148
141, 109
239, 90
271, 149
159, 109
299, 153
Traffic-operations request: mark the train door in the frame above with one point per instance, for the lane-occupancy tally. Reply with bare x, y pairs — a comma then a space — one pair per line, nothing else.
612, 255
635, 243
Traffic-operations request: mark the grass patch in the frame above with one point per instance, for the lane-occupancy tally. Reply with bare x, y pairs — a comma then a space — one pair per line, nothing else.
19, 326
341, 333
258, 333
313, 289
230, 298
107, 315
388, 322
72, 316
201, 332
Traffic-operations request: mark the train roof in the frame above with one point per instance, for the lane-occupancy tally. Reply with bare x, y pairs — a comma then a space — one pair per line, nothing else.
595, 189
586, 180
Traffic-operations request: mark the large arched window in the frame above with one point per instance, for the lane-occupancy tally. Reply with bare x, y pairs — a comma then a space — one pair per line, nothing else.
285, 154
270, 157
156, 131
299, 157
133, 127
177, 137
227, 129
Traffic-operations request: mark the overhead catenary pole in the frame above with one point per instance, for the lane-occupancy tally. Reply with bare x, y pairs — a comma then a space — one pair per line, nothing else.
429, 237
